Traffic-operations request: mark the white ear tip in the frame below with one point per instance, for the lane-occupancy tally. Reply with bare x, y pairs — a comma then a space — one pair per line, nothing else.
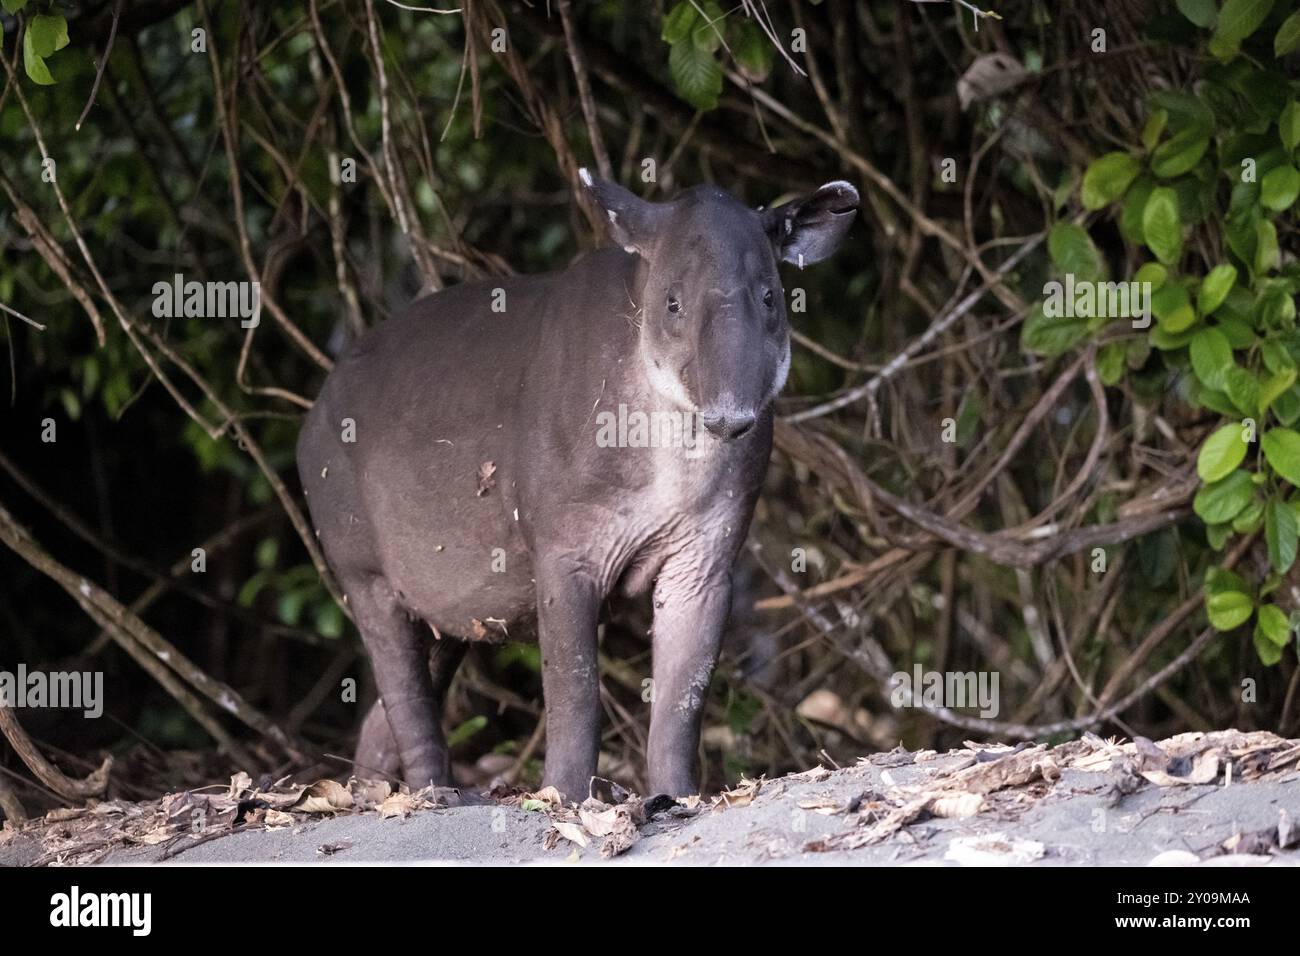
841, 186
585, 175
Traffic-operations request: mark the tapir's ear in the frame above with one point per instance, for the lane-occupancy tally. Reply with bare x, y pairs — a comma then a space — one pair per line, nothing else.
632, 220
809, 229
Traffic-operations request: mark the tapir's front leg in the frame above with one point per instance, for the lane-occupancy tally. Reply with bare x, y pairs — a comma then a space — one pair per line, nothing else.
690, 613
568, 605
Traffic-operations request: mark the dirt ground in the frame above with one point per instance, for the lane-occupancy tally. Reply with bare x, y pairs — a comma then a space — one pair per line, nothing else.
1226, 798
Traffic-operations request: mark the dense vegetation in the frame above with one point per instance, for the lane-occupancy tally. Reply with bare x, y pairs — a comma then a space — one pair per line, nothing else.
1101, 509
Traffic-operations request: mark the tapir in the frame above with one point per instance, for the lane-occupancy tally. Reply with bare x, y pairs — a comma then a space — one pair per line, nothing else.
479, 468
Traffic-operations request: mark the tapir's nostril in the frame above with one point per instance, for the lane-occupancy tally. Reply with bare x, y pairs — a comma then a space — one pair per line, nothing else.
729, 426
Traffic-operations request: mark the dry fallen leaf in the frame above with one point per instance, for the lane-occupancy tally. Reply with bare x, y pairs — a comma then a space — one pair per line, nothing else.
958, 805
240, 783
547, 795
617, 825
277, 818
740, 796
571, 832
1205, 769
60, 814
814, 775
399, 805
324, 796
368, 794
826, 806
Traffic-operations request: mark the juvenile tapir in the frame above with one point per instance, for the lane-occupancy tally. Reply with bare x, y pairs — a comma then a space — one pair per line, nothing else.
478, 468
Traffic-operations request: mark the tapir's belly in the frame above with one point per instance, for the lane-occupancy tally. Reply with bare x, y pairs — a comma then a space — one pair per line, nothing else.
456, 557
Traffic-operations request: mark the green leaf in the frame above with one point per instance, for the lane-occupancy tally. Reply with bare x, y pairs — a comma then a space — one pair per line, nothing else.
1073, 252
1152, 272
1161, 229
1217, 535
1240, 226
1172, 307
1280, 533
1107, 178
1224, 500
466, 730
45, 35
1218, 580
1273, 388
267, 551
1266, 252
696, 75
290, 606
1179, 153
753, 52
34, 64
1249, 518
1047, 335
1242, 388
678, 22
1288, 36
1240, 334
1239, 19
1288, 124
13, 6
1279, 188
48, 34
1200, 12
1274, 307
1269, 653
1274, 624
1211, 358
1222, 452
1110, 363
1135, 203
707, 32
329, 620
1155, 125
1215, 288
1276, 358
1186, 111
1229, 609
1282, 450
1272, 634
1287, 406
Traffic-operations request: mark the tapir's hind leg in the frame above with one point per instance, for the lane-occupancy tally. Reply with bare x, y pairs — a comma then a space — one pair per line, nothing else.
376, 745
397, 654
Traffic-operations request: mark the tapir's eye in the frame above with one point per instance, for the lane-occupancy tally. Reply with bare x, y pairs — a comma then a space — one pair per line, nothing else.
767, 298
673, 304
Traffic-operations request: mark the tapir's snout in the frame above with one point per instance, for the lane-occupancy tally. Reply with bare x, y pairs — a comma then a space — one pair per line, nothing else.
729, 426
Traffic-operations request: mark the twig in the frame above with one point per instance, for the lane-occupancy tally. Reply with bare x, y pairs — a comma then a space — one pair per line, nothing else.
99, 73
584, 90
18, 315
50, 775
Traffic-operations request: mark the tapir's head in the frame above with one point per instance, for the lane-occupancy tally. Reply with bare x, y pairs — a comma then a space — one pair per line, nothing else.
714, 335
